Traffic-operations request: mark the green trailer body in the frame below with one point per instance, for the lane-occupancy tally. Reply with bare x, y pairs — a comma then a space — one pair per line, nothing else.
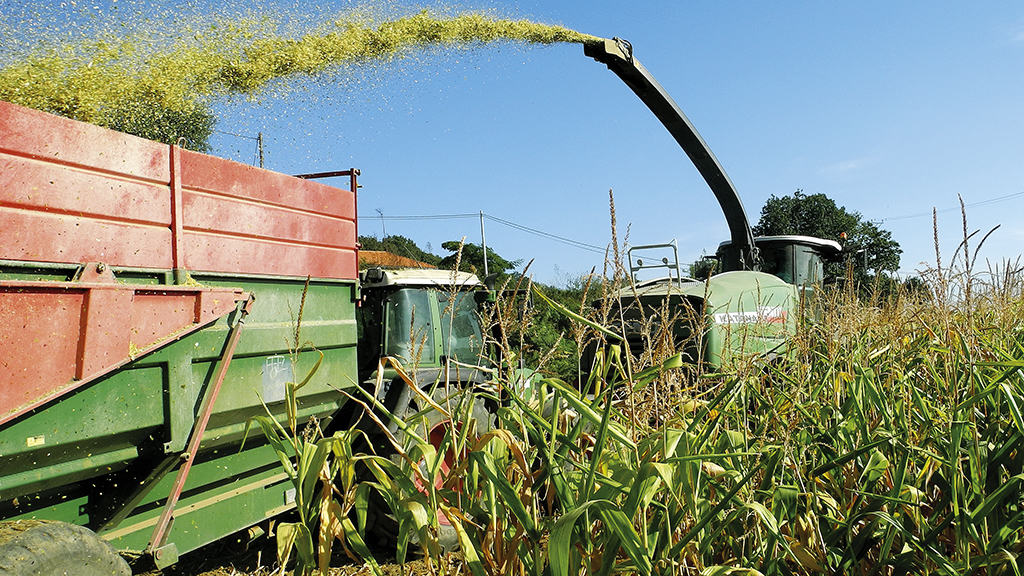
137, 282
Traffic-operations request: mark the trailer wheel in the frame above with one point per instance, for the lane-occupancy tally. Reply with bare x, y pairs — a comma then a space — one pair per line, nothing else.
435, 424
46, 548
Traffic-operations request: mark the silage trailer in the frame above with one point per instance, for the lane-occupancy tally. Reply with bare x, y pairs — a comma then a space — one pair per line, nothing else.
150, 299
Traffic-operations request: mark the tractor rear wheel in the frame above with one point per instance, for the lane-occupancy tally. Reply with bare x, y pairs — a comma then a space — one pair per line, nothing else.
47, 548
432, 425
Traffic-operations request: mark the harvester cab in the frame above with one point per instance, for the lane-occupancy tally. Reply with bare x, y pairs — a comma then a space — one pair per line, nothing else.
798, 260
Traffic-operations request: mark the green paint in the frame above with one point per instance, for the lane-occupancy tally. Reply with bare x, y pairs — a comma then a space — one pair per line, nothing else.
750, 314
94, 444
738, 315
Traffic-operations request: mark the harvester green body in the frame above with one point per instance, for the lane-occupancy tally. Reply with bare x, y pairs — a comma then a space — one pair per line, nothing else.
730, 316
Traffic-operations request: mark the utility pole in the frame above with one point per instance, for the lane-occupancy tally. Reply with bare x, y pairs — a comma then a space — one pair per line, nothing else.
259, 146
483, 242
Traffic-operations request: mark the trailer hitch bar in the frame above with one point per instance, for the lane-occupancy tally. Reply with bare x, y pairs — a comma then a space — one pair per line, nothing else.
163, 525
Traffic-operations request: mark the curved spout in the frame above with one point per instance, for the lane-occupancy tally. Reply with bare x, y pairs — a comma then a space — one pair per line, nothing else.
617, 54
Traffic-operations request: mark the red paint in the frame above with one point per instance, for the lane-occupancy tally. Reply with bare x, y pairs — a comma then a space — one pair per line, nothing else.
74, 193
55, 140
57, 336
71, 192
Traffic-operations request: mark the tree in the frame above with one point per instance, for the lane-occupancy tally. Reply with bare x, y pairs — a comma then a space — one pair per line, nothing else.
473, 259
401, 246
866, 246
703, 268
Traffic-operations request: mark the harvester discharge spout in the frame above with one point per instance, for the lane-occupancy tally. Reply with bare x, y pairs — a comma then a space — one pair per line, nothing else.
617, 54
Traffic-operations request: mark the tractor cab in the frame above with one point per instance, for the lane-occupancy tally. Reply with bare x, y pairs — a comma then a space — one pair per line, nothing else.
426, 319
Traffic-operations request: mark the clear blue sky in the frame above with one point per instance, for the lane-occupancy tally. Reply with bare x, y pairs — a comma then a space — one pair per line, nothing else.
888, 108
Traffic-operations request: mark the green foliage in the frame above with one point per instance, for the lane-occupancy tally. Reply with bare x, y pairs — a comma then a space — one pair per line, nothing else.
867, 247
889, 444
191, 127
401, 246
472, 259
548, 340
323, 474
703, 268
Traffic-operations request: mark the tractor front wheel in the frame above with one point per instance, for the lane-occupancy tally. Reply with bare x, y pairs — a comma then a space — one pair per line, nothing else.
47, 548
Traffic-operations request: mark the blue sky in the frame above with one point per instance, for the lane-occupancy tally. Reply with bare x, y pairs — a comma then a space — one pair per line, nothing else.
888, 108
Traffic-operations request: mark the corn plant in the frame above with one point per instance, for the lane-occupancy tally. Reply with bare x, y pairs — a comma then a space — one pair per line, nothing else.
323, 473
888, 444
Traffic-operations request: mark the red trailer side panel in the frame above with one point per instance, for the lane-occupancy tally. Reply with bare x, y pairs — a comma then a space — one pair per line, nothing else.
241, 218
72, 193
57, 336
60, 141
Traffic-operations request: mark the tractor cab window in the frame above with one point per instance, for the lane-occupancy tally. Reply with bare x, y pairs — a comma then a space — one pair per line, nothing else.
462, 338
410, 333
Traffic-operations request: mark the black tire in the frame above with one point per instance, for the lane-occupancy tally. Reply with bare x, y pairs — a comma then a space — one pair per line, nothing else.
416, 411
45, 548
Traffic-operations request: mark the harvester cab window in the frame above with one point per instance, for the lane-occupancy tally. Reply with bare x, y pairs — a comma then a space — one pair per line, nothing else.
461, 334
410, 333
811, 266
778, 261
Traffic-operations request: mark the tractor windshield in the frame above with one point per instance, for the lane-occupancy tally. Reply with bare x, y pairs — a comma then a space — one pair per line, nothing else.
461, 335
410, 335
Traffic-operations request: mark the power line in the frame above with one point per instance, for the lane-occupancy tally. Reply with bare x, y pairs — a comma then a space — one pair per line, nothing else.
258, 138
253, 138
564, 240
550, 236
423, 217
995, 200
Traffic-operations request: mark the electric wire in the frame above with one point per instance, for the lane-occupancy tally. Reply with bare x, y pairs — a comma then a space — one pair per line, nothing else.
562, 239
253, 138
423, 217
986, 202
557, 238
